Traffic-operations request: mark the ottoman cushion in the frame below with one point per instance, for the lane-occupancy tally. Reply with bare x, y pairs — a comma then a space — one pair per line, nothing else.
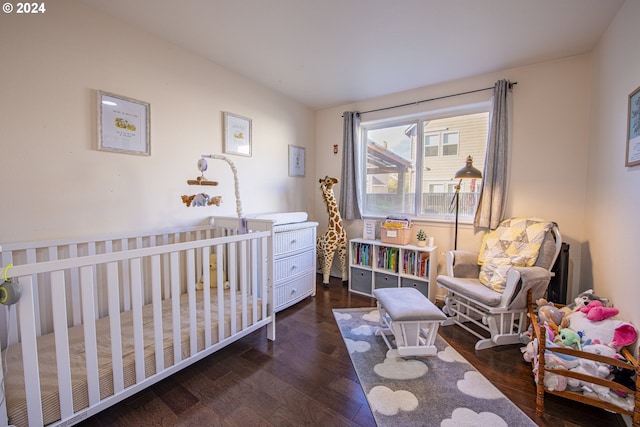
407, 304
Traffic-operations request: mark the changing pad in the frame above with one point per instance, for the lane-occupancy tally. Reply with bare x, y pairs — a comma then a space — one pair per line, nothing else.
285, 217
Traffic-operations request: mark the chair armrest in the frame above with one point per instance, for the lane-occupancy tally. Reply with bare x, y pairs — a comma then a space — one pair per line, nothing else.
463, 264
519, 281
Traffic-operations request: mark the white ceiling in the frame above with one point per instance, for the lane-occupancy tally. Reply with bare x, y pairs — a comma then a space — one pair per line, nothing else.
330, 52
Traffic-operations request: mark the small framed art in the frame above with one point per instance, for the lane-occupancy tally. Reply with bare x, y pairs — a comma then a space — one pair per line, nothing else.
296, 160
123, 124
237, 135
633, 129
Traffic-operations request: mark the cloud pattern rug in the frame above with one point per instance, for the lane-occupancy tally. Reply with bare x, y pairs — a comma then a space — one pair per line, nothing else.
443, 390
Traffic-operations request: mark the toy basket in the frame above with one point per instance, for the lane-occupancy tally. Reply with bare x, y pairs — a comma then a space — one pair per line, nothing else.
394, 235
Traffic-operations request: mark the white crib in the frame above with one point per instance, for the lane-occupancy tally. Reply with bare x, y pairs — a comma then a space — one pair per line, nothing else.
101, 319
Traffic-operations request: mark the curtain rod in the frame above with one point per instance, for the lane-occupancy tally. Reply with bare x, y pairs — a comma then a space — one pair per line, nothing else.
433, 99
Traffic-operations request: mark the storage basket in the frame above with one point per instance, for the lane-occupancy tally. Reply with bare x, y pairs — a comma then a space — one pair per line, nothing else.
395, 236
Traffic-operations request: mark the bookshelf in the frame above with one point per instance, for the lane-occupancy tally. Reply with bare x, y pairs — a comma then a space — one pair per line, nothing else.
374, 265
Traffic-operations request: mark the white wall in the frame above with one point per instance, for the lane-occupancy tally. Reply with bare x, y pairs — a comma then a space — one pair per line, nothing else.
54, 181
548, 157
613, 195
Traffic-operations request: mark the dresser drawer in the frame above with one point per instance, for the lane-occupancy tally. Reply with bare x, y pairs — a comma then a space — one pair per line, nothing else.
293, 240
291, 291
293, 265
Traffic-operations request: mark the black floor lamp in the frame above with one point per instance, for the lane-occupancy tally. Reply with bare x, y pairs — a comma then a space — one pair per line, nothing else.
468, 171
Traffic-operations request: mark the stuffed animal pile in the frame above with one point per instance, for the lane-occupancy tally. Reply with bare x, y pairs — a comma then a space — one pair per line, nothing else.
589, 325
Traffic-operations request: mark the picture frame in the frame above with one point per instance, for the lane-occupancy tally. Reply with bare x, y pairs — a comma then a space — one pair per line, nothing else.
237, 134
369, 229
124, 124
633, 129
296, 160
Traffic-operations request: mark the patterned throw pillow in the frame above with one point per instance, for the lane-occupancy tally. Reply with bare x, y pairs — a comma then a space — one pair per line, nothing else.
515, 243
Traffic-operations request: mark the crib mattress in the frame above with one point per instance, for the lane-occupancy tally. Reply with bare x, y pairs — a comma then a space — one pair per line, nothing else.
14, 381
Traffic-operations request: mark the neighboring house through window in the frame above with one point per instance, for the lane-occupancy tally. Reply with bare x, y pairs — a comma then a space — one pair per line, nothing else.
410, 162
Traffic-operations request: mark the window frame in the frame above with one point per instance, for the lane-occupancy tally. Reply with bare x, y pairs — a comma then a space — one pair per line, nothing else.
418, 119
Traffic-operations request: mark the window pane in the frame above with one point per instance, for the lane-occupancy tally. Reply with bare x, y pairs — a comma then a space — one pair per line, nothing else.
390, 176
450, 143
431, 143
461, 136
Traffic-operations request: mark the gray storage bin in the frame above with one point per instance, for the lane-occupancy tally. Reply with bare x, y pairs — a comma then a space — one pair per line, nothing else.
418, 284
360, 280
384, 280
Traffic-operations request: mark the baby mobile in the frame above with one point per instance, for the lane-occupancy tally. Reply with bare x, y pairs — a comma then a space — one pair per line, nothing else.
203, 199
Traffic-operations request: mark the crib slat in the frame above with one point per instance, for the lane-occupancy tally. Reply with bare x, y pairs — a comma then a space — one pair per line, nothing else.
126, 286
91, 246
165, 268
243, 282
233, 274
191, 293
27, 314
75, 287
59, 309
255, 271
175, 306
90, 346
267, 287
222, 254
137, 302
156, 299
31, 259
206, 289
113, 295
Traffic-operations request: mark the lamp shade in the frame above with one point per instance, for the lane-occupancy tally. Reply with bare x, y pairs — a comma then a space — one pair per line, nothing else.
468, 171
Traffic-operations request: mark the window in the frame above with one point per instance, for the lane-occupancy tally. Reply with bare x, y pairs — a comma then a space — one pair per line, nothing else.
450, 143
404, 176
431, 145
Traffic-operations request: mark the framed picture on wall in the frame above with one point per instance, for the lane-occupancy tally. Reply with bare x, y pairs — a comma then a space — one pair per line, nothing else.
296, 160
237, 135
123, 124
633, 129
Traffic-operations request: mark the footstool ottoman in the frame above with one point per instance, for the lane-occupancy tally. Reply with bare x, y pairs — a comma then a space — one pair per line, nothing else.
411, 318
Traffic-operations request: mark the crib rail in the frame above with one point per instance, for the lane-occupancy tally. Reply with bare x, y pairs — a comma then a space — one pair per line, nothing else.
69, 285
53, 250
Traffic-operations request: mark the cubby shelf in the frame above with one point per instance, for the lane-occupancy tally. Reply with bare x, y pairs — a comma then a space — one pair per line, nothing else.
374, 265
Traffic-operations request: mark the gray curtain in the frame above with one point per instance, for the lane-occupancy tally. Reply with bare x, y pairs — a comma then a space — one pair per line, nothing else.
491, 204
349, 180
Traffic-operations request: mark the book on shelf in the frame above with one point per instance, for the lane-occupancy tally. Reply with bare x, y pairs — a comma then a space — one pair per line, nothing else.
416, 263
388, 258
362, 254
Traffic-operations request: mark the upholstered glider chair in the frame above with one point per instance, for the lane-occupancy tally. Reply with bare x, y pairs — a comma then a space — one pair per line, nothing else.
487, 290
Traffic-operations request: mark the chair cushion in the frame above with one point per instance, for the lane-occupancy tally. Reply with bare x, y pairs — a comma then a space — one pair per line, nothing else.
516, 242
471, 288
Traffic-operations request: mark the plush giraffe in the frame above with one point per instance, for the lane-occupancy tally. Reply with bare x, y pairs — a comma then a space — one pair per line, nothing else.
335, 238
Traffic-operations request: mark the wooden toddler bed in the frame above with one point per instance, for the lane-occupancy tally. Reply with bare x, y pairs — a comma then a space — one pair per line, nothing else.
101, 319
542, 368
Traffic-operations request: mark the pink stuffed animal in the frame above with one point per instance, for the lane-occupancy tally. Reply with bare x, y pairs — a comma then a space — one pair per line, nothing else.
596, 311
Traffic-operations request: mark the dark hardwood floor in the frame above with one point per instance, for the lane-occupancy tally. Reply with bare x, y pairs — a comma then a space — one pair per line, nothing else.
305, 377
